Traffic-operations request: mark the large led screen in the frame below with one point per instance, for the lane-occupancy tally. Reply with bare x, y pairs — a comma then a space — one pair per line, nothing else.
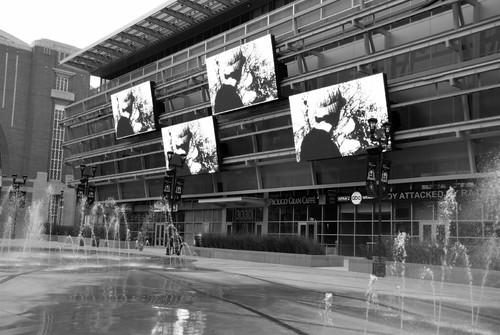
133, 110
243, 76
333, 121
195, 139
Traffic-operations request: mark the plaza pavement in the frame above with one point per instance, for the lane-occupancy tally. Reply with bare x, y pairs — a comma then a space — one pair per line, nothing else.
287, 299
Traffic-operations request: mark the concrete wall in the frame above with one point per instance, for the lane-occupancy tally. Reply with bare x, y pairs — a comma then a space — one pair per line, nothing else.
434, 273
271, 257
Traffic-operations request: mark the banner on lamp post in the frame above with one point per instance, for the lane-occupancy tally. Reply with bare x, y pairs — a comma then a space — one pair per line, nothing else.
179, 186
168, 185
384, 177
91, 195
371, 176
80, 191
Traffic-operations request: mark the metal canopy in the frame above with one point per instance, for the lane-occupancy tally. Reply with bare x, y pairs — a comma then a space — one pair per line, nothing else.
161, 24
240, 201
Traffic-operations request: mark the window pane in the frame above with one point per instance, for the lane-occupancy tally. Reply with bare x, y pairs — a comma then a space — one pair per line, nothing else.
422, 211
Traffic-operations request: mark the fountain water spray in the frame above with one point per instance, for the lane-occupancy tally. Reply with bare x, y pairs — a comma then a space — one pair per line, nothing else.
428, 273
447, 209
371, 297
326, 309
399, 255
460, 251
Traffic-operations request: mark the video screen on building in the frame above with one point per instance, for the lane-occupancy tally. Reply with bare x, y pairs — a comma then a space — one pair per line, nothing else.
333, 121
195, 139
134, 110
243, 76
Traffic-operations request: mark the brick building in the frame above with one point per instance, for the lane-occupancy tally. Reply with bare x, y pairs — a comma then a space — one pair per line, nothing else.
34, 90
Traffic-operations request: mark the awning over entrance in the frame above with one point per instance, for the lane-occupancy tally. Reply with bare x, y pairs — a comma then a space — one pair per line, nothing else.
235, 201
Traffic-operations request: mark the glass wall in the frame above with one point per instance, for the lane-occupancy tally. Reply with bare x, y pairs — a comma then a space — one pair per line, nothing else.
414, 209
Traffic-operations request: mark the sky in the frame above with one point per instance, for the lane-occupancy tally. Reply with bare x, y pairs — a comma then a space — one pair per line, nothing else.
77, 23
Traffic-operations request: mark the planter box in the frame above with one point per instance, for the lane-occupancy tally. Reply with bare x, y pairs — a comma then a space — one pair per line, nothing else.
116, 244
271, 257
360, 265
458, 275
49, 237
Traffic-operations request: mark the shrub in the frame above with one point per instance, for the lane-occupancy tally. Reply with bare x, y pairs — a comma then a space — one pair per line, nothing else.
484, 254
269, 243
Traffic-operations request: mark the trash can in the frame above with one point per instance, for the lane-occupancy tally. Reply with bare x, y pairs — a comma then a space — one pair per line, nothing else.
197, 240
378, 266
371, 248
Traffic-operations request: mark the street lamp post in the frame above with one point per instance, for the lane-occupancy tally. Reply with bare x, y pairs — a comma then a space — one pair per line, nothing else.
377, 179
16, 187
172, 192
61, 207
84, 189
84, 178
172, 185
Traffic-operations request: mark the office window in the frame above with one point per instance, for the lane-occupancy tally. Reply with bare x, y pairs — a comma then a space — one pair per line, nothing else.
56, 150
62, 55
62, 83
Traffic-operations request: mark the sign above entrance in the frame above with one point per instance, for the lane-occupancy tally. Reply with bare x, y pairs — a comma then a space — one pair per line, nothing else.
347, 198
299, 200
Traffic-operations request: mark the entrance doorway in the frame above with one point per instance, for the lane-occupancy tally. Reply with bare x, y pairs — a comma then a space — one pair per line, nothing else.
159, 234
431, 232
243, 227
308, 230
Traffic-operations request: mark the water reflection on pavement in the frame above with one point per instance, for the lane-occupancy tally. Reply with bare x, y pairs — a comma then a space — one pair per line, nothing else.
130, 301
155, 294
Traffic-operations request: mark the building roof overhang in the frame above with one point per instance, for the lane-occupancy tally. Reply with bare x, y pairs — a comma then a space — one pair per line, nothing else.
148, 32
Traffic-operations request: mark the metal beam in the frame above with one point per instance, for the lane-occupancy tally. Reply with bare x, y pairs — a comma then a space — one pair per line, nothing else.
133, 38
97, 56
224, 2
122, 45
178, 15
162, 24
109, 51
197, 7
148, 31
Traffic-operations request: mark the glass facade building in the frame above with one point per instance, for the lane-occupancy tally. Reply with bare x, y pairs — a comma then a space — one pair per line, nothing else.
442, 64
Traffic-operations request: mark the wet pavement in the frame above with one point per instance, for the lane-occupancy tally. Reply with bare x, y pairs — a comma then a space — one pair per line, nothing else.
89, 292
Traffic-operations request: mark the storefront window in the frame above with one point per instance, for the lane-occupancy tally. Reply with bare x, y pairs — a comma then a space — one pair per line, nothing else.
330, 227
315, 212
346, 245
401, 227
364, 211
469, 210
347, 212
402, 210
416, 228
385, 227
488, 228
330, 240
286, 213
273, 228
453, 229
361, 245
286, 228
364, 227
300, 213
423, 211
259, 214
274, 213
330, 212
470, 229
346, 227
